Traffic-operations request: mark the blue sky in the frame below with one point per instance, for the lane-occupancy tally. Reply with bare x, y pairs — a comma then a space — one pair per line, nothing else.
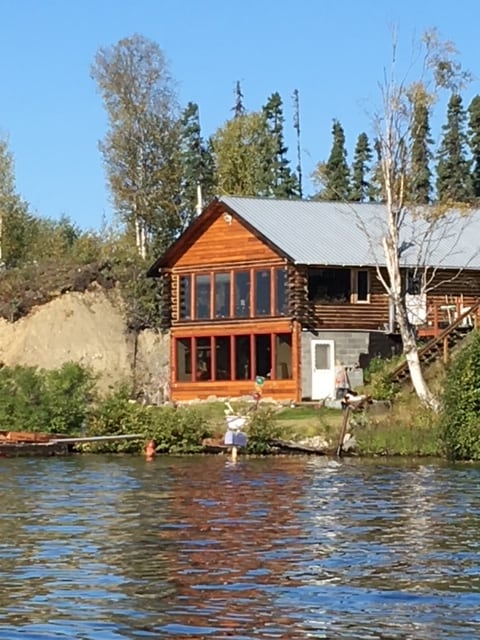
333, 52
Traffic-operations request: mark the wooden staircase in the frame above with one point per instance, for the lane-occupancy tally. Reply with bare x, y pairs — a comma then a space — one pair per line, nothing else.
442, 345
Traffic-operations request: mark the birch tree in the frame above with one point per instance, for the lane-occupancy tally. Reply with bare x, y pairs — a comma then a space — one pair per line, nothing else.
141, 147
407, 227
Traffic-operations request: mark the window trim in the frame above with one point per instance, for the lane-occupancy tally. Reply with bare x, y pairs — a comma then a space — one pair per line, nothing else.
232, 346
193, 275
354, 284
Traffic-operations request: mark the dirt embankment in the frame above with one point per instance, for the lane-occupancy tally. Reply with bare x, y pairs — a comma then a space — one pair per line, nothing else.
88, 328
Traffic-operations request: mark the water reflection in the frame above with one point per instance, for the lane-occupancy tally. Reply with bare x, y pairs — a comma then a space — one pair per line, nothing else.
107, 548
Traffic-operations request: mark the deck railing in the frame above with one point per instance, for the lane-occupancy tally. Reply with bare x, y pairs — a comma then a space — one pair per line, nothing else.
442, 315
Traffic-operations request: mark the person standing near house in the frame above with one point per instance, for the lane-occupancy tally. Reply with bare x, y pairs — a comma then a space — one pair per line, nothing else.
342, 383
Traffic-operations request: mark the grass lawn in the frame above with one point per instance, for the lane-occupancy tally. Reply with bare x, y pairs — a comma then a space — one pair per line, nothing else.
296, 423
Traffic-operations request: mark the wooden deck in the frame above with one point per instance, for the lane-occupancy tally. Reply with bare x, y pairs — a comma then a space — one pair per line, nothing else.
443, 342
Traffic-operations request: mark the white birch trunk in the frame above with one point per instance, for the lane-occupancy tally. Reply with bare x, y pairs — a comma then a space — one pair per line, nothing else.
143, 241
410, 350
392, 258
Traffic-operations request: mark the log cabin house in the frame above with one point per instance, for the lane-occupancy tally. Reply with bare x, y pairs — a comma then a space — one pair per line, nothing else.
288, 290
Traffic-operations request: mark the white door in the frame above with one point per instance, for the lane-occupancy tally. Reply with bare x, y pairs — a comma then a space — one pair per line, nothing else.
323, 369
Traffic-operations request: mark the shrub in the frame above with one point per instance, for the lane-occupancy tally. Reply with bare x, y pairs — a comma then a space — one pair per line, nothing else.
69, 393
262, 430
175, 430
460, 425
378, 378
54, 401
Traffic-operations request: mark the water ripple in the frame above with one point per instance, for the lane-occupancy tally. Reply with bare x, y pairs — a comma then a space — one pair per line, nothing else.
110, 548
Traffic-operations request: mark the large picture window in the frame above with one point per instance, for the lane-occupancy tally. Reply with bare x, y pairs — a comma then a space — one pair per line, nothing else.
338, 286
242, 294
222, 295
281, 290
246, 293
263, 292
329, 285
184, 359
185, 296
231, 357
222, 358
203, 359
202, 297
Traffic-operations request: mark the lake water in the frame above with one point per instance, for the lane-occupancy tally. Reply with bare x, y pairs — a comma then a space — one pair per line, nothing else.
108, 548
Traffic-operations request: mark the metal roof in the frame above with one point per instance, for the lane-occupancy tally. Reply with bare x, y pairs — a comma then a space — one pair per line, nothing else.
350, 234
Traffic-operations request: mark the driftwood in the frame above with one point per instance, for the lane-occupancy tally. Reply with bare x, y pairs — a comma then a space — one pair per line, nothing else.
290, 446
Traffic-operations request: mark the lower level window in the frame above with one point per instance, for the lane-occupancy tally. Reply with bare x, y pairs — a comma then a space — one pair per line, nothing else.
239, 357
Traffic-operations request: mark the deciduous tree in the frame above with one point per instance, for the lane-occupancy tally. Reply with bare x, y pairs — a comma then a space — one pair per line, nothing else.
405, 226
240, 148
141, 147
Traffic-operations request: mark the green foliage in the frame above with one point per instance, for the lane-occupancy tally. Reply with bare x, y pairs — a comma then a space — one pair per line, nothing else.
398, 440
460, 424
198, 165
360, 188
281, 181
453, 169
179, 430
474, 140
69, 391
242, 147
420, 187
334, 175
377, 377
141, 147
54, 401
175, 430
262, 429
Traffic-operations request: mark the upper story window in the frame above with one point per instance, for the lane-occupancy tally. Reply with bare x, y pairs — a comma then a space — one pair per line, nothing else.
281, 292
263, 295
202, 296
185, 297
244, 293
222, 295
241, 294
361, 285
339, 286
414, 282
329, 285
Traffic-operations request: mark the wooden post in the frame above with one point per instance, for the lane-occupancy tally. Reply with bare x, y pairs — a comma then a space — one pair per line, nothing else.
445, 350
435, 320
343, 430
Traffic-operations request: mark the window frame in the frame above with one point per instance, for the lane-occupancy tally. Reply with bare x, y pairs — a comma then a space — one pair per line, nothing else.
354, 297
274, 274
209, 342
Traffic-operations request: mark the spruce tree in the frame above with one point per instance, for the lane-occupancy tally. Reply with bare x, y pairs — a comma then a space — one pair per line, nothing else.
197, 164
238, 109
336, 171
453, 168
282, 181
360, 189
420, 187
474, 140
